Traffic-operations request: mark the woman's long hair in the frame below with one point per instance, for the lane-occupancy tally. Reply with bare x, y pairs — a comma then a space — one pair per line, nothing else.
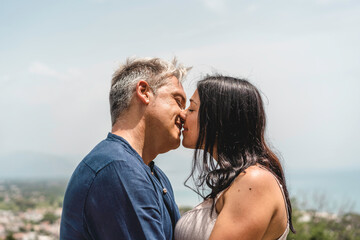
231, 122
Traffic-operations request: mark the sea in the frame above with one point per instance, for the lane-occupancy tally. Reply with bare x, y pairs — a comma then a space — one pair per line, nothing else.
324, 190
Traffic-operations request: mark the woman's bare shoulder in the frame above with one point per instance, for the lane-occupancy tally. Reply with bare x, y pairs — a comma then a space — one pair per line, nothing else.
254, 186
255, 177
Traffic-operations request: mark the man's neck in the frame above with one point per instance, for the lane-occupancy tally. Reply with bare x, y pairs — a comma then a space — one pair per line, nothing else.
135, 135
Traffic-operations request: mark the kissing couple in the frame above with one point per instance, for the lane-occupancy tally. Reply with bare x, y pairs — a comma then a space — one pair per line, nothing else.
117, 191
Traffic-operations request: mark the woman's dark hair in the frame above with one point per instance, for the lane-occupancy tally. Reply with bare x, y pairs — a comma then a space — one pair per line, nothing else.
232, 121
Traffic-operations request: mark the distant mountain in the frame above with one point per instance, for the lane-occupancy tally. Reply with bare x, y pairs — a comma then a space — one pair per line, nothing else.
36, 165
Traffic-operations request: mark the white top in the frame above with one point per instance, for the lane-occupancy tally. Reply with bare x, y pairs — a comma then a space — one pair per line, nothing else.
197, 224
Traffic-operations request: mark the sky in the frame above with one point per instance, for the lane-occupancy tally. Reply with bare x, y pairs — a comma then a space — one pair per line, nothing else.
57, 59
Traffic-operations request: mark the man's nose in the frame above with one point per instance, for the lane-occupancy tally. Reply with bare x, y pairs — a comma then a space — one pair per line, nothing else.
183, 115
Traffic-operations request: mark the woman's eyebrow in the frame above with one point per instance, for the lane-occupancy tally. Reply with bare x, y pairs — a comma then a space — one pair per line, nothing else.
192, 101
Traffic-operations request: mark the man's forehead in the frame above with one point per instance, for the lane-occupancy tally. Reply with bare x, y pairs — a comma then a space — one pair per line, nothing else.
176, 87
172, 80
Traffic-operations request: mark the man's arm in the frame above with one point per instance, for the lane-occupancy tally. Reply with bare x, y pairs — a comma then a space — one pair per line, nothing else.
122, 204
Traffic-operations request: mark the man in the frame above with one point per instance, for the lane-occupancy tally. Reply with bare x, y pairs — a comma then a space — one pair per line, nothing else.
117, 192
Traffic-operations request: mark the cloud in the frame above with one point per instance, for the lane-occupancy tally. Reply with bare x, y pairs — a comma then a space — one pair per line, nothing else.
306, 104
48, 106
217, 6
99, 1
43, 70
327, 2
4, 79
251, 8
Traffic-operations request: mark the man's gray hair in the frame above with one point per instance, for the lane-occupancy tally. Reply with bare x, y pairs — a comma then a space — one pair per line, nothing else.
154, 71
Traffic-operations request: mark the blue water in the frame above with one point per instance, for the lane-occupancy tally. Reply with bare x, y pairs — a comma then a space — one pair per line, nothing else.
334, 191
328, 190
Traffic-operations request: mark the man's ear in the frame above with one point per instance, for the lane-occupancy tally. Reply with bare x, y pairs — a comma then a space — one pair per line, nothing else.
143, 91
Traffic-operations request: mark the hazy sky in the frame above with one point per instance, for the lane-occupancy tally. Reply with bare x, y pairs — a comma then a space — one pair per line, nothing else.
57, 58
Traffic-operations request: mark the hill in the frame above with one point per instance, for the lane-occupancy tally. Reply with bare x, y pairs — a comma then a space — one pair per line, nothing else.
25, 165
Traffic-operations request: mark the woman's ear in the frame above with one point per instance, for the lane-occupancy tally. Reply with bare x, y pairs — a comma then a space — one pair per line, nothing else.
143, 91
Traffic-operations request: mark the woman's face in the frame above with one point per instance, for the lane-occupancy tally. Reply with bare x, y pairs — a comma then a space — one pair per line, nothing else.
191, 125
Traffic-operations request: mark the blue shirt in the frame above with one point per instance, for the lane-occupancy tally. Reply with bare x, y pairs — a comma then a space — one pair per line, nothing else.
113, 194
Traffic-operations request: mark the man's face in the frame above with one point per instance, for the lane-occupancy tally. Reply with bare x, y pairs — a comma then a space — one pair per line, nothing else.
165, 116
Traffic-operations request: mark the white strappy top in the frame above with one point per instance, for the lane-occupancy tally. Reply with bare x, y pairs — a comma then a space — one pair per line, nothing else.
197, 224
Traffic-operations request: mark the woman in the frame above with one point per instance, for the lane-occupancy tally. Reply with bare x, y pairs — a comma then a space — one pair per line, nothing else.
248, 197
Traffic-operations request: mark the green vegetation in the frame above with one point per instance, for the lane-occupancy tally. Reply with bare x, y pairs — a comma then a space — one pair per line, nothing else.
22, 195
10, 237
184, 209
19, 196
316, 226
49, 217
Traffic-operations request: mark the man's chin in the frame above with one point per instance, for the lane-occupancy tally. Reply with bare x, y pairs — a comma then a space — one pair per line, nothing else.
174, 145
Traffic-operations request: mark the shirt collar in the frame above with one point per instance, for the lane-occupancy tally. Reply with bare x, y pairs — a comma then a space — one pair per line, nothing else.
129, 148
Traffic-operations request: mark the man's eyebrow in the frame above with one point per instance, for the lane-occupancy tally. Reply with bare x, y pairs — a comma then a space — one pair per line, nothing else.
181, 96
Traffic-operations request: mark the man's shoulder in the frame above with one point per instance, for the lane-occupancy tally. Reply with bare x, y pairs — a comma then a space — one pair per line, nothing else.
107, 152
